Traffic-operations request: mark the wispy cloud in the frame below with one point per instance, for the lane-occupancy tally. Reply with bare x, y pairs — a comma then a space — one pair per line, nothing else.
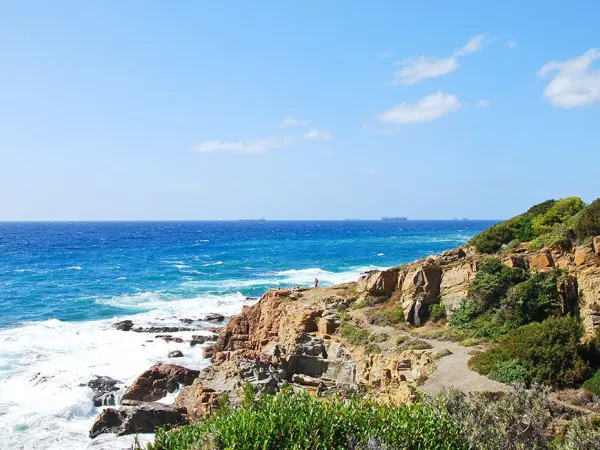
426, 109
473, 45
248, 147
316, 134
511, 44
289, 122
483, 103
415, 70
573, 83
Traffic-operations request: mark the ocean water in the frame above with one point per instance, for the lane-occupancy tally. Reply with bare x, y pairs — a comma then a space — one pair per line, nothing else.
62, 286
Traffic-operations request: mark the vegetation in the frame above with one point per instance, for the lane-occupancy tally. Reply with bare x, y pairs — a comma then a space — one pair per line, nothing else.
551, 223
437, 312
297, 421
593, 384
356, 335
545, 353
392, 317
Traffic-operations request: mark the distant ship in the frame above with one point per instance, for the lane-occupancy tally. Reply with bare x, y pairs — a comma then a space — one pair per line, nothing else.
262, 219
394, 218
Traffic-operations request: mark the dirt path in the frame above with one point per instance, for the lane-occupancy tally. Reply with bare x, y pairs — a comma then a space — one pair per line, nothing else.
452, 371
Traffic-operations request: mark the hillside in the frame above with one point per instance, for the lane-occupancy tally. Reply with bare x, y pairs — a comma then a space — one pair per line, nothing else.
519, 304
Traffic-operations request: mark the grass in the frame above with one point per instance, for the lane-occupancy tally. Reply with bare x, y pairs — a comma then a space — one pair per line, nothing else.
297, 421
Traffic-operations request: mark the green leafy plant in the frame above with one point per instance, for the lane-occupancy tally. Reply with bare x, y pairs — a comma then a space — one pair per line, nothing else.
593, 383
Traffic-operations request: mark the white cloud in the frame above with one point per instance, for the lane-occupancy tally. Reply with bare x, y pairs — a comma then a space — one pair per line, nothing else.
483, 103
428, 108
249, 147
369, 171
511, 44
291, 122
473, 45
415, 70
321, 135
573, 83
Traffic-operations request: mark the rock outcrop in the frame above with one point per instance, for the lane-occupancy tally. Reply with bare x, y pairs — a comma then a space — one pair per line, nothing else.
197, 401
104, 390
158, 381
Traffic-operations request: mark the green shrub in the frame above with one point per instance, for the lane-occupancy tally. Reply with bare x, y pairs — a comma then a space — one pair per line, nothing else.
371, 349
583, 433
509, 371
437, 312
560, 212
533, 300
297, 421
355, 335
465, 314
492, 239
548, 351
492, 282
541, 208
587, 223
557, 238
593, 383
395, 316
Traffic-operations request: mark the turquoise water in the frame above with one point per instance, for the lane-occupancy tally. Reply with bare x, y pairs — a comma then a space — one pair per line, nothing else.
62, 286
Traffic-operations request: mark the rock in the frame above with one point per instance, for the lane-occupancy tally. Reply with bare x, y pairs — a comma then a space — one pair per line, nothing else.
583, 255
169, 338
175, 354
378, 283
596, 244
103, 388
185, 320
541, 261
161, 329
455, 284
306, 380
124, 325
214, 318
158, 381
136, 419
197, 400
516, 261
208, 351
327, 325
200, 339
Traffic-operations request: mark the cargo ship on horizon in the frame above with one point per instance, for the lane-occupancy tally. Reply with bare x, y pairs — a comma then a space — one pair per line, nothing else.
394, 218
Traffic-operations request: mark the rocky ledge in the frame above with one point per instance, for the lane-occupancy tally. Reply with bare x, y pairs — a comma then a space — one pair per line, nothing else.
293, 336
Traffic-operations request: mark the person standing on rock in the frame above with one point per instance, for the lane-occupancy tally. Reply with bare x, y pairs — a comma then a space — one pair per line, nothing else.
316, 282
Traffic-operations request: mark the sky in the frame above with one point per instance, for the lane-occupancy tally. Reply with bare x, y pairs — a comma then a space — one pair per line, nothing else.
197, 110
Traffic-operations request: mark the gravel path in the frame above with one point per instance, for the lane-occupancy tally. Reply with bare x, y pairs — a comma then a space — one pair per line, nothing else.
452, 371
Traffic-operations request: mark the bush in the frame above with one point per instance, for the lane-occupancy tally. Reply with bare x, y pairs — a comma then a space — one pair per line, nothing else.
437, 312
587, 223
492, 239
583, 433
297, 421
593, 384
560, 211
548, 351
533, 300
465, 314
509, 371
492, 282
395, 316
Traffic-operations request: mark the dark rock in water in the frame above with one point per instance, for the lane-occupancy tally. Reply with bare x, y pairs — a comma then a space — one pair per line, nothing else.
188, 321
199, 339
161, 329
145, 418
124, 325
169, 338
158, 381
214, 318
103, 388
216, 330
176, 354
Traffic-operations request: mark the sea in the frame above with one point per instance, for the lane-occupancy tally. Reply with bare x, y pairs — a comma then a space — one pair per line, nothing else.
63, 285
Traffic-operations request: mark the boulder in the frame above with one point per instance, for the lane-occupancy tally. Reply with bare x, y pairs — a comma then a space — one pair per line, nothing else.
132, 419
584, 254
124, 325
104, 388
541, 261
158, 381
169, 338
161, 329
596, 244
328, 325
378, 283
214, 318
197, 400
198, 339
208, 351
175, 354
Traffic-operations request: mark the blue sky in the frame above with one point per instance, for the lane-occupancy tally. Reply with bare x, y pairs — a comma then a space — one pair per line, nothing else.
296, 110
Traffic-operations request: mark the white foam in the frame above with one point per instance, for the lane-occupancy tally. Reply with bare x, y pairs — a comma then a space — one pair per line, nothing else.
74, 268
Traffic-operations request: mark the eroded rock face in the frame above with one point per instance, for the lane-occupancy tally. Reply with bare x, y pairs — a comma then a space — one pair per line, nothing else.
132, 418
455, 284
378, 283
104, 389
596, 244
541, 261
197, 400
158, 381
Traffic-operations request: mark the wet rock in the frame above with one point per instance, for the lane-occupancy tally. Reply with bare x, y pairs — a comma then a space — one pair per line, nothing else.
188, 321
124, 325
214, 318
158, 381
169, 338
161, 329
104, 388
145, 418
200, 339
176, 354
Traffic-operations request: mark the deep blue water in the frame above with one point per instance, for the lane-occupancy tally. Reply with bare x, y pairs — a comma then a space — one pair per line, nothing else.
87, 271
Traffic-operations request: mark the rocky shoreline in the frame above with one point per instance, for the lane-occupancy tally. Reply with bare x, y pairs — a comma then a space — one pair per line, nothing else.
293, 336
